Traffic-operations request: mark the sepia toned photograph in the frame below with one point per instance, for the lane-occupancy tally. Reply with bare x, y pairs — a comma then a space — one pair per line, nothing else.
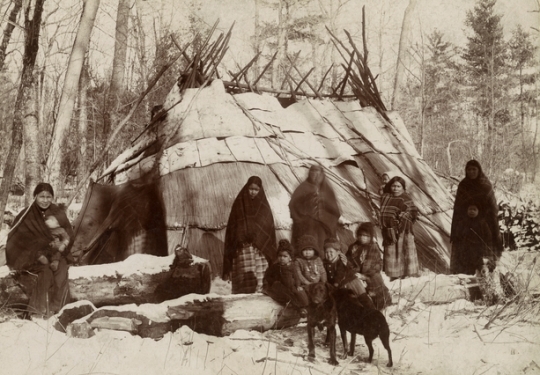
270, 187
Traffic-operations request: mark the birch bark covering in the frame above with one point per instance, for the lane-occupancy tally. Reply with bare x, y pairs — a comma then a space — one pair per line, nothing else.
70, 90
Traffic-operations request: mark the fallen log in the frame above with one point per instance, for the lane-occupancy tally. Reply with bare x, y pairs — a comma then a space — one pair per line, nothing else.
141, 278
431, 289
210, 314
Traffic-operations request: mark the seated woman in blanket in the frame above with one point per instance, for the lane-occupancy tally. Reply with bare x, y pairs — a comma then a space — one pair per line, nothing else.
29, 246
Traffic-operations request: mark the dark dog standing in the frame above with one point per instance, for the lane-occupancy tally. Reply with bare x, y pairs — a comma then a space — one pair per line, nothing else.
356, 319
322, 313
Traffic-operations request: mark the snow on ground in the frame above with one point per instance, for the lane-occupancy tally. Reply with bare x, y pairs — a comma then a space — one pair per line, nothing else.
425, 339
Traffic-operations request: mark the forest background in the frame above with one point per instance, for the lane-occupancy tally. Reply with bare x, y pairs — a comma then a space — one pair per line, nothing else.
463, 74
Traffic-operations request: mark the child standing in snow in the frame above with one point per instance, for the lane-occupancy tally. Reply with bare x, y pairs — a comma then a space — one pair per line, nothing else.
473, 245
309, 266
281, 282
364, 256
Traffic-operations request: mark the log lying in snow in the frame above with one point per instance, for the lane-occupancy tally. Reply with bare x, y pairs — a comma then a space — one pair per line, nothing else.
141, 278
210, 314
437, 289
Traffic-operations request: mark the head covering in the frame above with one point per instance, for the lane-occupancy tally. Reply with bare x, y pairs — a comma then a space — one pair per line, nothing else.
333, 243
285, 245
43, 186
254, 180
307, 242
368, 228
474, 163
390, 174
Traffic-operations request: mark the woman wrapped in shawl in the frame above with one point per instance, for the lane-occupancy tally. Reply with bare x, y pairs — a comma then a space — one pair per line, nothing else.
314, 208
28, 246
475, 187
250, 239
398, 215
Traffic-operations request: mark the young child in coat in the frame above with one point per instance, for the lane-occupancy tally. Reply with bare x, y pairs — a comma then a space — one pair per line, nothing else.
309, 266
474, 247
364, 256
281, 282
341, 275
59, 243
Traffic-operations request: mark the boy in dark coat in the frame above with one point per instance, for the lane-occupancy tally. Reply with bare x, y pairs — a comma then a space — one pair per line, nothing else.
281, 282
341, 275
364, 256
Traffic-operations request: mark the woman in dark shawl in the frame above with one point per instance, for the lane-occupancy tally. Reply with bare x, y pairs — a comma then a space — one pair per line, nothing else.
250, 239
398, 215
477, 188
28, 245
314, 208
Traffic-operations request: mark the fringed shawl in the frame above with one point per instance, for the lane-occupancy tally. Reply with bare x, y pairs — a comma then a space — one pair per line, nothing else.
398, 212
31, 236
249, 217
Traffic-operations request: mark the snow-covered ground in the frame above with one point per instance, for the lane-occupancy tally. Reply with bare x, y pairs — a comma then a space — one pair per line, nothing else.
425, 339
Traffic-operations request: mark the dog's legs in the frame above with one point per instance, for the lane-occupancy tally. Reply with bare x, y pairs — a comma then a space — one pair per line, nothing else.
331, 330
344, 340
369, 343
311, 345
385, 338
353, 344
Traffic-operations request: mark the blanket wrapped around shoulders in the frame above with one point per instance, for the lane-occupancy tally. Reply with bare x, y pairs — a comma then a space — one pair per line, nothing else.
30, 236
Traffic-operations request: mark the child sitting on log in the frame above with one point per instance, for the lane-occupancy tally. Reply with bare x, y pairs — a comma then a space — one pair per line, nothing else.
281, 282
364, 256
341, 275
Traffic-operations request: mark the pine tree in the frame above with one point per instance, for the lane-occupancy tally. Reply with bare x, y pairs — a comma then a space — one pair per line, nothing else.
524, 74
484, 57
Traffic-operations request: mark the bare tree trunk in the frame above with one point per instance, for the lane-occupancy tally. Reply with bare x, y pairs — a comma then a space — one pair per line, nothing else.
17, 5
32, 149
83, 122
257, 43
534, 151
406, 29
118, 68
282, 43
70, 90
24, 98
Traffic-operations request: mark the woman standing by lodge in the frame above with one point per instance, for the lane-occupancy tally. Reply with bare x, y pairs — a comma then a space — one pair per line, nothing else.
27, 247
477, 188
398, 215
250, 239
314, 208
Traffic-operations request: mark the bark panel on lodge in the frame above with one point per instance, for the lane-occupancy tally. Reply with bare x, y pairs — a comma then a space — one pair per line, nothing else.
141, 278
